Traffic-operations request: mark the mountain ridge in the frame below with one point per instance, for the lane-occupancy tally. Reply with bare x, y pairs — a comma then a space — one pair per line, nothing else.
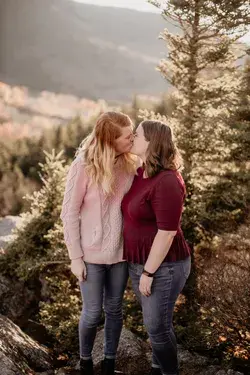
80, 49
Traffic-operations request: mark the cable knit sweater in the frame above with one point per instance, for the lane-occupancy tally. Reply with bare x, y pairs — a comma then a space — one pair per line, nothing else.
92, 221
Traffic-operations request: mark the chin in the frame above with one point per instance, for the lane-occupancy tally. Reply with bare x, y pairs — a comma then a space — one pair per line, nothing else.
132, 151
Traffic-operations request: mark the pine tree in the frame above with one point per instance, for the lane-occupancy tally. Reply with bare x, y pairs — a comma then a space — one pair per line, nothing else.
201, 65
241, 152
32, 249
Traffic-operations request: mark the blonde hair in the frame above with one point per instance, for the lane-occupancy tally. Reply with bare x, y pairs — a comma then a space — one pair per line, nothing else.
98, 150
162, 152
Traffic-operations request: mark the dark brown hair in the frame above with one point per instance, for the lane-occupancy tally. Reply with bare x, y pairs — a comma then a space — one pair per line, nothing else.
162, 152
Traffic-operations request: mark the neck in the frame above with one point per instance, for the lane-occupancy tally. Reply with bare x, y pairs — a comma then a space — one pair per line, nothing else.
143, 158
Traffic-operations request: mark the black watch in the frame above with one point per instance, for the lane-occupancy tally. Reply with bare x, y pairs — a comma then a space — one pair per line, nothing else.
144, 272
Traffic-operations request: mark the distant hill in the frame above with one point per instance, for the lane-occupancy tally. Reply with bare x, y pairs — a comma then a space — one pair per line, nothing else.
88, 51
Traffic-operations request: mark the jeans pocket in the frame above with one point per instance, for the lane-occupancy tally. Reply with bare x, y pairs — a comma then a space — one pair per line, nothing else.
186, 267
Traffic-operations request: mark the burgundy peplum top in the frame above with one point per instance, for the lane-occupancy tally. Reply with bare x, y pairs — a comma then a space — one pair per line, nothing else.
151, 204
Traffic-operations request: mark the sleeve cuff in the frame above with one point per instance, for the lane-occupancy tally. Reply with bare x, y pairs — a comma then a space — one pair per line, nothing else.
75, 254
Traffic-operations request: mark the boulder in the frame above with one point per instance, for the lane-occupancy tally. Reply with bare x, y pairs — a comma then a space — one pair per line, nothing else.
133, 353
134, 358
19, 354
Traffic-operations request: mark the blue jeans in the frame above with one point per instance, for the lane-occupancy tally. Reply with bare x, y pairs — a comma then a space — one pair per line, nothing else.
105, 285
158, 309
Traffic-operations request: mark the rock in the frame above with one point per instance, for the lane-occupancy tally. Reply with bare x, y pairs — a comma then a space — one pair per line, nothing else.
132, 356
187, 358
67, 371
19, 354
210, 370
7, 224
215, 370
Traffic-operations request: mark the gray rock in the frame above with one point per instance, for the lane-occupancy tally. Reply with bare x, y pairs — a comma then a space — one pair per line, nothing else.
133, 356
215, 370
210, 370
19, 354
7, 224
187, 358
67, 371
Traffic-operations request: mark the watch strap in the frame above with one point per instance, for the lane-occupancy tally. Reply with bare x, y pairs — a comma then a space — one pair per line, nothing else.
144, 272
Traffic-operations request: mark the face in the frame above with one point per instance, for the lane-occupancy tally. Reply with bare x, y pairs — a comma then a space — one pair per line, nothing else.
124, 143
140, 144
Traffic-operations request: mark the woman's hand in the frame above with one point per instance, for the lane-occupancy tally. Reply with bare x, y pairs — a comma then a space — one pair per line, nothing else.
78, 268
145, 285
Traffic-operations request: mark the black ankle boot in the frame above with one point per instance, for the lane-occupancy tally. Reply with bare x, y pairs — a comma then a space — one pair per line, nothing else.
155, 371
86, 367
108, 366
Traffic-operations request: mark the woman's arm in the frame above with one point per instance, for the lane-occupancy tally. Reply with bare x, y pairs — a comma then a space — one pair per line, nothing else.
161, 245
167, 203
75, 190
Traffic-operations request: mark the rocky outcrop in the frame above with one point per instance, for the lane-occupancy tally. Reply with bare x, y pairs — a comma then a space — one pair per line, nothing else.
19, 354
134, 357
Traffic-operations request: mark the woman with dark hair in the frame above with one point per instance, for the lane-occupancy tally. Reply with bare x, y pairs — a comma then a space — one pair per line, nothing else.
154, 245
98, 178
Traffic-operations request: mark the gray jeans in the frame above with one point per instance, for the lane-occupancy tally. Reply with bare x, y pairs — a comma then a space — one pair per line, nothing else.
158, 309
105, 285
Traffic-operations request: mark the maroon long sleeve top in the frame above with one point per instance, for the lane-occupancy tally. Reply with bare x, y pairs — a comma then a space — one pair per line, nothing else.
151, 204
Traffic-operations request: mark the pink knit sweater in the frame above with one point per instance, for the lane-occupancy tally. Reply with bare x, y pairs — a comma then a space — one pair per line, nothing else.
92, 221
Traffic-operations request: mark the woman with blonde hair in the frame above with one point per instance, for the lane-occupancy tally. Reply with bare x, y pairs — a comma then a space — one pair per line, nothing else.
154, 245
98, 178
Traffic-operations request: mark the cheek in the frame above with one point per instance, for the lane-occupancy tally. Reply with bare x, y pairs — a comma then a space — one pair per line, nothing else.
128, 142
138, 143
135, 145
124, 144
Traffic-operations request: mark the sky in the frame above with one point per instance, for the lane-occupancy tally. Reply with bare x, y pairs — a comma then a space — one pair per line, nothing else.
139, 5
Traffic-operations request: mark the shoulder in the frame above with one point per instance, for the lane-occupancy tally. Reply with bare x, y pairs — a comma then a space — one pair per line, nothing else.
76, 164
77, 168
169, 179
